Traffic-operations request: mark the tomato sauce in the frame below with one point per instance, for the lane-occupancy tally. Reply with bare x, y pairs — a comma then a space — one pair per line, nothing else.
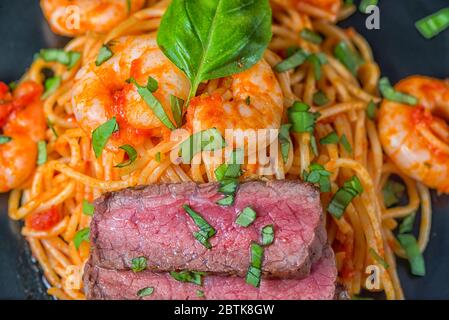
43, 221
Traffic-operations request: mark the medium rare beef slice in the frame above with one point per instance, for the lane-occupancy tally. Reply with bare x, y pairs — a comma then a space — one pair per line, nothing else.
150, 222
120, 285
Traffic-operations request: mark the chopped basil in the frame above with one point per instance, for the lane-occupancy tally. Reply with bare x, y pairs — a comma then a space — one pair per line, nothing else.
350, 59
226, 201
314, 146
177, 105
285, 141
207, 140
316, 63
228, 186
41, 152
4, 139
343, 197
295, 60
200, 294
129, 6
371, 110
51, 85
158, 157
301, 119
132, 156
364, 4
253, 276
392, 193
206, 230
254, 273
408, 223
389, 93
267, 235
88, 208
146, 92
67, 58
101, 135
320, 99
331, 138
231, 170
345, 143
188, 276
52, 127
104, 55
311, 36
12, 85
138, 264
416, 259
246, 217
145, 292
248, 100
318, 175
434, 24
81, 236
378, 258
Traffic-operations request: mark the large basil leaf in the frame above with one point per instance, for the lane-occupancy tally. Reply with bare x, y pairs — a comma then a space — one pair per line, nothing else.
210, 39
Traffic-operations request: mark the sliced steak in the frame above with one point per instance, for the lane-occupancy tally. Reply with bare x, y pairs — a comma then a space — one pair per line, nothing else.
123, 285
151, 222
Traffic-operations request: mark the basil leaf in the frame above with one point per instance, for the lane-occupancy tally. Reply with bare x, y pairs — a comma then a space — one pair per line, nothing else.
285, 141
331, 138
267, 235
4, 139
389, 93
158, 157
52, 128
81, 236
104, 55
314, 146
407, 224
41, 152
145, 292
364, 4
129, 6
434, 24
188, 276
228, 186
226, 201
311, 36
345, 143
231, 170
68, 58
214, 39
51, 85
138, 264
293, 61
253, 276
416, 259
88, 208
200, 294
147, 95
101, 135
320, 98
206, 230
350, 59
343, 197
132, 156
371, 110
177, 109
392, 193
207, 140
318, 175
301, 118
256, 255
378, 258
246, 217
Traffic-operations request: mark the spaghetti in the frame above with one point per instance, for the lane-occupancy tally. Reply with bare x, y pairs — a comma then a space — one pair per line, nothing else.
73, 174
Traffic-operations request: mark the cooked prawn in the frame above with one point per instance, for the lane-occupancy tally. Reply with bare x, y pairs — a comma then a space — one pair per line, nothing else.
417, 138
25, 124
252, 99
76, 17
102, 92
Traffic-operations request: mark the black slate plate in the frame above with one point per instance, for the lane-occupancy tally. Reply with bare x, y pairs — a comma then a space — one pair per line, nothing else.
399, 49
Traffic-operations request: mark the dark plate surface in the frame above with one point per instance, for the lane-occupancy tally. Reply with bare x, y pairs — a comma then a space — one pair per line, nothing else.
398, 48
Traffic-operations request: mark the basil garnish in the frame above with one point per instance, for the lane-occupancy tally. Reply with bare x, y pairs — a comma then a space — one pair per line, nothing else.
132, 156
88, 208
101, 135
138, 264
81, 236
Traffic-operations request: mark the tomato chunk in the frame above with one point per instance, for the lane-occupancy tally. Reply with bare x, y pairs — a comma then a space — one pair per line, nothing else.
43, 221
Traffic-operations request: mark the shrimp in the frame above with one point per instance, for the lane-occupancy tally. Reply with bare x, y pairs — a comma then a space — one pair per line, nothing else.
25, 125
102, 92
253, 100
76, 17
417, 138
323, 9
